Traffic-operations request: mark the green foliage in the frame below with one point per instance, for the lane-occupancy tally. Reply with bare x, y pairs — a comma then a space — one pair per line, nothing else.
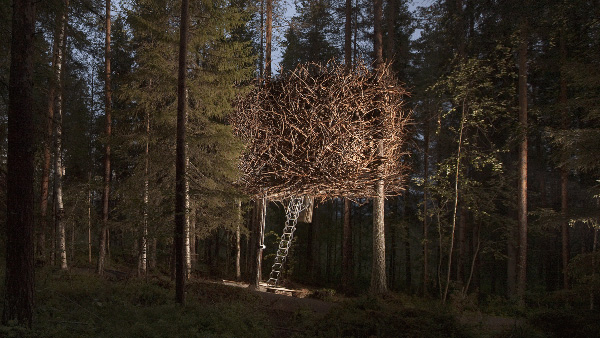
308, 38
82, 305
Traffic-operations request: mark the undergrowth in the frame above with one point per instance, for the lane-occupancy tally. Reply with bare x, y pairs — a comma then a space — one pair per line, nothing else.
84, 305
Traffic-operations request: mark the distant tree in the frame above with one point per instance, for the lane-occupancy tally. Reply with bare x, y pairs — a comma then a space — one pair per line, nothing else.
104, 230
180, 167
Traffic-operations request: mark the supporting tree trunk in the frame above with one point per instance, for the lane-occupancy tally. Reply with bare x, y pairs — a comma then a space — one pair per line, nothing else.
378, 278
261, 210
103, 247
522, 265
180, 165
19, 287
347, 265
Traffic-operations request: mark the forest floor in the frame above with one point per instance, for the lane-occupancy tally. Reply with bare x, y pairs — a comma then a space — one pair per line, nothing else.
78, 303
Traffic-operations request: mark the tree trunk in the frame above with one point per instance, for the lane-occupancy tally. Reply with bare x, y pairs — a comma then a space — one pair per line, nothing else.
143, 262
378, 278
56, 53
564, 174
261, 210
89, 217
594, 249
268, 38
193, 251
153, 247
462, 244
59, 210
347, 265
522, 265
378, 34
188, 245
108, 107
456, 196
391, 32
180, 165
19, 287
425, 216
261, 59
238, 247
407, 252
348, 34
347, 271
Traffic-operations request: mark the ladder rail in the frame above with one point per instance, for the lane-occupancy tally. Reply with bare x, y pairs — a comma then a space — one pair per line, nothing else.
293, 209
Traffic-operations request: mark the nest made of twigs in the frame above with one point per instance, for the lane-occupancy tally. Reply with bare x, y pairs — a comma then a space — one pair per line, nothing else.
316, 131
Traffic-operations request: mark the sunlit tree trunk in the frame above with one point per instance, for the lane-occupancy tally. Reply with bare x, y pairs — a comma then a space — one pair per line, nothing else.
180, 166
108, 132
347, 271
522, 205
378, 274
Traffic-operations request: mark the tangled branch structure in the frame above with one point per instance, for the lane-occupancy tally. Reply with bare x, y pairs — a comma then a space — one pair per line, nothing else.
315, 131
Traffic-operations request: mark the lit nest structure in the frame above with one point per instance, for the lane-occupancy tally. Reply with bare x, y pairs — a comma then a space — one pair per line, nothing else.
316, 131
324, 132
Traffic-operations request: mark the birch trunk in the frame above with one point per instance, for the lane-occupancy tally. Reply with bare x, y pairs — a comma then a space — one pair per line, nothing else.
59, 210
143, 262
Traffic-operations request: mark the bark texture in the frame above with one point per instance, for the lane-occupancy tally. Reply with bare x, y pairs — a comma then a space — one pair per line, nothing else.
18, 296
522, 202
378, 273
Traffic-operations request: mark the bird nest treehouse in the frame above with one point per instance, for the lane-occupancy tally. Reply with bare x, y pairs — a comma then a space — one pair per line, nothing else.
322, 131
